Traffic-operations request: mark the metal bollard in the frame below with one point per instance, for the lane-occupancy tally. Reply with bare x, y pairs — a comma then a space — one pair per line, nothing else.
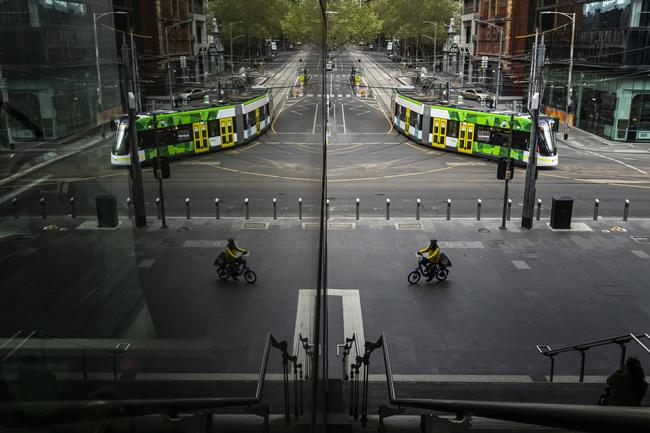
73, 209
216, 208
247, 208
299, 208
509, 209
128, 207
448, 209
327, 209
187, 207
626, 209
43, 210
387, 208
275, 209
158, 215
478, 209
539, 208
596, 205
417, 209
357, 206
14, 203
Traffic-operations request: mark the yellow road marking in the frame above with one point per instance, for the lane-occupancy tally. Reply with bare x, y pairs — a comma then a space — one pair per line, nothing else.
238, 150
306, 179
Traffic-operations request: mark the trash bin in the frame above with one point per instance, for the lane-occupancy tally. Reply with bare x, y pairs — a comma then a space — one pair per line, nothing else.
106, 210
561, 210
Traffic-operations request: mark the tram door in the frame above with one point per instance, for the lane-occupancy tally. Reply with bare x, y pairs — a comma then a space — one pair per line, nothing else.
201, 143
466, 137
226, 132
257, 119
407, 121
439, 133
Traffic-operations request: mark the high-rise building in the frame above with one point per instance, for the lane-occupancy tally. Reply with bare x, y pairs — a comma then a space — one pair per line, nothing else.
59, 67
611, 88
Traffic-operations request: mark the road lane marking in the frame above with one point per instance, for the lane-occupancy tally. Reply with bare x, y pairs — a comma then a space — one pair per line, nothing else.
520, 264
352, 320
296, 112
616, 160
343, 111
146, 263
640, 254
313, 130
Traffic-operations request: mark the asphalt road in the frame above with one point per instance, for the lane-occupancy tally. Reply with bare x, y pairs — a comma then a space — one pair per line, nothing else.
366, 158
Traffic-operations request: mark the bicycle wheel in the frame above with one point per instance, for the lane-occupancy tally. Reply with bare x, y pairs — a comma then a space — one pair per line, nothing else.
250, 276
223, 273
442, 274
414, 277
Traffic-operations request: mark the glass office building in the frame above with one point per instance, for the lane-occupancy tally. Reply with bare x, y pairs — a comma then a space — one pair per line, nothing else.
610, 83
49, 67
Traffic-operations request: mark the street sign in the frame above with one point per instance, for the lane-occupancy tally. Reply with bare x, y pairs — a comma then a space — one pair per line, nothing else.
183, 62
484, 62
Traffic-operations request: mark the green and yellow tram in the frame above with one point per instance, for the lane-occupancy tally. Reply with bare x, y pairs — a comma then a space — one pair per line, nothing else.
473, 132
195, 130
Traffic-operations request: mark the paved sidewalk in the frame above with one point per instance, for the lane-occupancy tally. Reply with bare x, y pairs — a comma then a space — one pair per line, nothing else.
508, 290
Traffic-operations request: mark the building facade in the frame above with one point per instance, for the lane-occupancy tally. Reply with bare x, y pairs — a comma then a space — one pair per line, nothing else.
49, 62
610, 83
482, 42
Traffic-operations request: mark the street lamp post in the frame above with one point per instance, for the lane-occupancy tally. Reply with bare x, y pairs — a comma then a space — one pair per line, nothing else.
96, 16
496, 99
232, 62
569, 93
169, 69
435, 43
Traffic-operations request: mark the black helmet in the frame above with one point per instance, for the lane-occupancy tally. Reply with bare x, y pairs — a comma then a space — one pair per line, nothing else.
434, 241
231, 241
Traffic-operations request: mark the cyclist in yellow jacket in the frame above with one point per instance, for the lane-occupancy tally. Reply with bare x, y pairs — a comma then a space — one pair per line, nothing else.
433, 258
233, 259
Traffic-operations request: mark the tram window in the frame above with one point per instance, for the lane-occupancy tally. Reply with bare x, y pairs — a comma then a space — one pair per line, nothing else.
420, 119
500, 137
452, 128
250, 119
213, 128
145, 139
398, 108
415, 119
402, 114
166, 137
520, 140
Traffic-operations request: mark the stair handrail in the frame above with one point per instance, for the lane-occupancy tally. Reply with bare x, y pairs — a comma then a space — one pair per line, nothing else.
72, 411
621, 340
589, 418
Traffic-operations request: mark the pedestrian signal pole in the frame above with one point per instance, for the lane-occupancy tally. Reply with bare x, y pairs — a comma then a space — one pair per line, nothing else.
531, 169
508, 173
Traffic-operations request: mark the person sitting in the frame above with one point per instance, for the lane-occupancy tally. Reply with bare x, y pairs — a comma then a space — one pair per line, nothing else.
234, 255
432, 259
627, 387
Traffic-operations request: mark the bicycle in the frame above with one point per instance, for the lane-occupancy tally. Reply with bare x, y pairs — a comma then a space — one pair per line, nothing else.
224, 272
439, 270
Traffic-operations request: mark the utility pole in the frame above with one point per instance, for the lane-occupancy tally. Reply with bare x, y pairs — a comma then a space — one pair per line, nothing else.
169, 69
137, 190
531, 169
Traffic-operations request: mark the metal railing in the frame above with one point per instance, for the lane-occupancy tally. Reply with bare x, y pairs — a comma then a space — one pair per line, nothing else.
583, 348
605, 419
60, 412
353, 376
86, 350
